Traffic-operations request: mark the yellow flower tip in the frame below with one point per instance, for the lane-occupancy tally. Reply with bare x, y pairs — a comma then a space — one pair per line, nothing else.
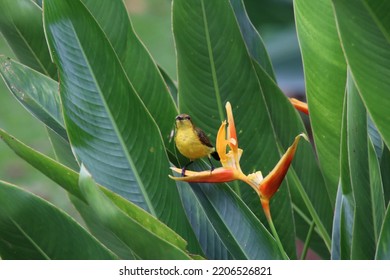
299, 105
232, 127
177, 170
228, 107
304, 136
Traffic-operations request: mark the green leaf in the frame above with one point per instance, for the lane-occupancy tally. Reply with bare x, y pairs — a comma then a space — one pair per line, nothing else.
252, 38
110, 129
345, 203
209, 229
101, 232
358, 161
382, 251
36, 92
385, 173
172, 85
137, 62
323, 61
342, 225
31, 228
282, 113
59, 173
68, 179
375, 137
214, 67
365, 35
145, 244
39, 95
21, 25
62, 150
360, 208
376, 189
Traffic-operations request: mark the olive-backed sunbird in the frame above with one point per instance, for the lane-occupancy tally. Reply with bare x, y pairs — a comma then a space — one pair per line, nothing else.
192, 142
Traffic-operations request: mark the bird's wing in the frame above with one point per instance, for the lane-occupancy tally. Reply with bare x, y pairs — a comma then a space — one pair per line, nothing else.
203, 137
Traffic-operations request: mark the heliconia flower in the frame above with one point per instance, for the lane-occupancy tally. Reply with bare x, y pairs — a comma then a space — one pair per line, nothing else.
231, 169
230, 160
300, 106
230, 154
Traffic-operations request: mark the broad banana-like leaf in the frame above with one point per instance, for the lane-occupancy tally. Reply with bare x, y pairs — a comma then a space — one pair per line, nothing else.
31, 228
111, 131
252, 38
21, 25
358, 163
145, 244
345, 203
364, 32
137, 63
36, 92
68, 179
325, 78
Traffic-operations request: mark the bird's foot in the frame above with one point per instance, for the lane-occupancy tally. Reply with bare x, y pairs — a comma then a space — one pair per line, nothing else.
183, 172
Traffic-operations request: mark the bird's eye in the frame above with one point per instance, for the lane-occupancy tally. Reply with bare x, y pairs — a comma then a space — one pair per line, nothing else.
179, 118
188, 117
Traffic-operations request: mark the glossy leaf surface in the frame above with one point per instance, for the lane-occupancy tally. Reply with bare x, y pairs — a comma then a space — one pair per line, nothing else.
68, 179
145, 244
110, 129
325, 77
343, 220
137, 62
21, 25
36, 92
31, 228
252, 38
358, 155
364, 32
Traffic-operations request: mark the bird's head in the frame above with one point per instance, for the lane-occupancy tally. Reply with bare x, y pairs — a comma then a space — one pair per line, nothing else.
183, 121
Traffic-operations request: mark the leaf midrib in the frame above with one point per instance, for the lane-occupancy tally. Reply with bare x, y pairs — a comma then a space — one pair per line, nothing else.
27, 236
113, 123
212, 63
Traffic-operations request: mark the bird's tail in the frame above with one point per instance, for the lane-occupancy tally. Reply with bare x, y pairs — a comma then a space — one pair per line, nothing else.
215, 155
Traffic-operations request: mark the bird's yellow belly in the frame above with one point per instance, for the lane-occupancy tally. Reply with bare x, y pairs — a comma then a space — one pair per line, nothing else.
189, 145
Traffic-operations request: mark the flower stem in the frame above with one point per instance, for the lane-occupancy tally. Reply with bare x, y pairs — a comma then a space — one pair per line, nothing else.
307, 241
267, 212
319, 225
